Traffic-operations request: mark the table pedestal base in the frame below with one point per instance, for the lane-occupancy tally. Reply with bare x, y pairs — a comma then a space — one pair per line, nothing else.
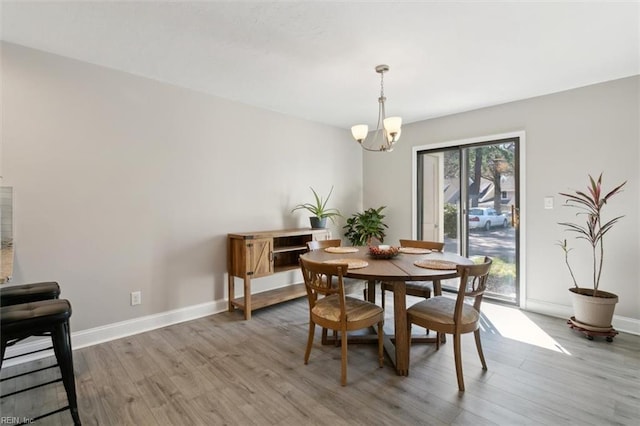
389, 342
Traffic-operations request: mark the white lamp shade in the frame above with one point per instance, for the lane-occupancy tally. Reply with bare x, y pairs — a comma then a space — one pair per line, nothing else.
360, 131
392, 124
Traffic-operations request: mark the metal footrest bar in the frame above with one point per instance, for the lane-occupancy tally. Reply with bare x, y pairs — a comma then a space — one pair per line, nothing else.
32, 387
28, 353
29, 421
28, 372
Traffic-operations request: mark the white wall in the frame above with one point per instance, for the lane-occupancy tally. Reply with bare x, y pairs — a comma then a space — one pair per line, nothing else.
124, 183
568, 135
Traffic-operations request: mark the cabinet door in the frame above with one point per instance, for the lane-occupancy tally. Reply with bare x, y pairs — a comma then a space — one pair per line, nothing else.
260, 257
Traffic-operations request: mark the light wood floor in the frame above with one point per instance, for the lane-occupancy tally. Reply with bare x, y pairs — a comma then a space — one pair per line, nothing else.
221, 370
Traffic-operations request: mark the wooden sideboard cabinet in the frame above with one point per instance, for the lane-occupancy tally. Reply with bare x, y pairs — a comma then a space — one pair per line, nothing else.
258, 254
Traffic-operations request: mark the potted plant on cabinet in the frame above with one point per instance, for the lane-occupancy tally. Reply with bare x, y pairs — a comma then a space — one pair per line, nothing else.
319, 210
593, 308
362, 227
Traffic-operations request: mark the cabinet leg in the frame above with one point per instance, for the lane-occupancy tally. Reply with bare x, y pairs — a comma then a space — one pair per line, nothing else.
247, 298
232, 291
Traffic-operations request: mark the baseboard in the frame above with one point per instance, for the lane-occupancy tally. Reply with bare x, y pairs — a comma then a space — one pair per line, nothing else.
622, 324
94, 336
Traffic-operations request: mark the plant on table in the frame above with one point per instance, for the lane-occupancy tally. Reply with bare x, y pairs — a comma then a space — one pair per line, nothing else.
362, 227
319, 209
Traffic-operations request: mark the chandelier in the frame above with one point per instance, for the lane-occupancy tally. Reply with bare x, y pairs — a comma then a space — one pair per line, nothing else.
390, 128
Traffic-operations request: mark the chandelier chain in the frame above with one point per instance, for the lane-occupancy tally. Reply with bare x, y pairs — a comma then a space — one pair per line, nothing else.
386, 129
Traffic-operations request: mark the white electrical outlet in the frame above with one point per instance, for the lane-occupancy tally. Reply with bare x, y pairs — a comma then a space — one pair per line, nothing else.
548, 203
136, 298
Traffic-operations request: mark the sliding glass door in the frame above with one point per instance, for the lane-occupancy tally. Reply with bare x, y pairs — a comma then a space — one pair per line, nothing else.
468, 197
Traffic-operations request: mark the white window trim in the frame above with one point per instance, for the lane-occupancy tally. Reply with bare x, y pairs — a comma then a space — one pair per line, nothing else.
522, 168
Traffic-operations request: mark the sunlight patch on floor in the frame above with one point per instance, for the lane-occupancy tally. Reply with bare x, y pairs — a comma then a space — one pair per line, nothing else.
514, 324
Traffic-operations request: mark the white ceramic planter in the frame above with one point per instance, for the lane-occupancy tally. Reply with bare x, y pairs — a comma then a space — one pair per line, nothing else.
593, 311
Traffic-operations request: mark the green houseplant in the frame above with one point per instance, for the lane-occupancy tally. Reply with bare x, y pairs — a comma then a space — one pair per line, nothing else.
592, 306
319, 210
362, 227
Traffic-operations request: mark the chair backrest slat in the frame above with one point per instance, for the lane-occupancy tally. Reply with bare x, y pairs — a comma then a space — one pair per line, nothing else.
320, 244
431, 245
473, 283
322, 278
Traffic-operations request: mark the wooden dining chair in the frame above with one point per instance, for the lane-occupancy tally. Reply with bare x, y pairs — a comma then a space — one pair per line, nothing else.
415, 288
320, 244
330, 308
454, 316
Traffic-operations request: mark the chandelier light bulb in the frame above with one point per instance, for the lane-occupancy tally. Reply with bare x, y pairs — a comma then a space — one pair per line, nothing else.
392, 124
359, 132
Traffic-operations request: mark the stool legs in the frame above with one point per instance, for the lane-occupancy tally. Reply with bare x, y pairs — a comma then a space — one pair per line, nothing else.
43, 318
4, 349
62, 347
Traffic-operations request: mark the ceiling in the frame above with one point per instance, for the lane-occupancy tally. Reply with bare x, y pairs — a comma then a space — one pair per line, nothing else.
316, 60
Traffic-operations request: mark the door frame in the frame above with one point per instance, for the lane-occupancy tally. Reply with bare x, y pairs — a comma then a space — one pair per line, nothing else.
437, 210
521, 135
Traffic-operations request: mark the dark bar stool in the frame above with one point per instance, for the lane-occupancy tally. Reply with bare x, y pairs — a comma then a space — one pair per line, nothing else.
25, 293
43, 318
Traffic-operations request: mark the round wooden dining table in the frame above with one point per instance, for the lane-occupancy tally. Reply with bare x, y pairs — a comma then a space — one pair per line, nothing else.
397, 270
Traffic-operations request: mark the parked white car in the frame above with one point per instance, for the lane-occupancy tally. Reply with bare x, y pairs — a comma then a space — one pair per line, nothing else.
486, 218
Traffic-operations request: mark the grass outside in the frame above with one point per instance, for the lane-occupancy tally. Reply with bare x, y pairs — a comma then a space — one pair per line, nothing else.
501, 278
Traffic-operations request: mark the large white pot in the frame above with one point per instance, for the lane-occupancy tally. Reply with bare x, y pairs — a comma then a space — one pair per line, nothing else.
596, 311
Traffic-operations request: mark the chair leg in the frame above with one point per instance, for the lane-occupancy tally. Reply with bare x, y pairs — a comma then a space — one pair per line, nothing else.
437, 291
382, 293
62, 347
312, 330
343, 374
426, 296
381, 343
408, 343
4, 349
438, 336
334, 336
371, 291
476, 334
458, 357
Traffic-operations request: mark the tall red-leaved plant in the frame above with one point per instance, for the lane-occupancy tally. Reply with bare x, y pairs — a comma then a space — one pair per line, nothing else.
590, 205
